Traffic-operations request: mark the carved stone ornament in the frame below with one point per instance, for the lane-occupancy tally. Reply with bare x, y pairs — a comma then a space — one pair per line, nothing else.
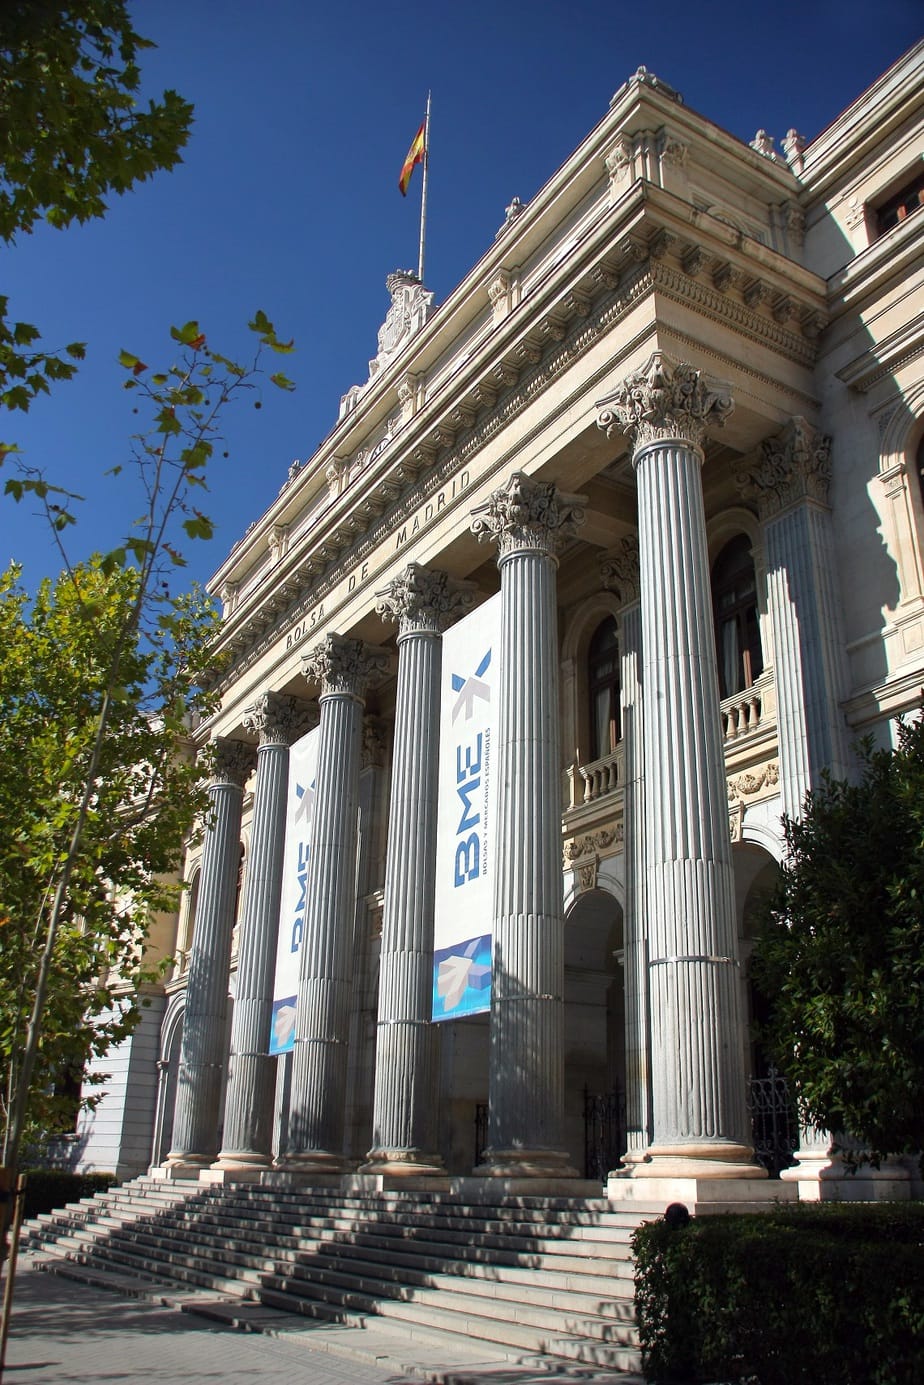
619, 160
421, 600
373, 752
675, 152
664, 401
234, 762
411, 307
344, 666
746, 785
619, 570
527, 514
276, 541
793, 466
279, 719
764, 144
794, 148
511, 214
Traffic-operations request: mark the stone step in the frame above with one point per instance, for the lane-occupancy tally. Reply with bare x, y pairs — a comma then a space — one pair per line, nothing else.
462, 1248
421, 1226
363, 1291
467, 1324
547, 1277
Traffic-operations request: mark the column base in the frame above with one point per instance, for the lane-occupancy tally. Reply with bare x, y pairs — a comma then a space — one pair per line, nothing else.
311, 1161
525, 1163
241, 1161
701, 1196
823, 1177
171, 1169
403, 1163
698, 1161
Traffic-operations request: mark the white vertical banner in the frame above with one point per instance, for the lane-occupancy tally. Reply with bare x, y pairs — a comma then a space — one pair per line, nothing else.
303, 765
465, 815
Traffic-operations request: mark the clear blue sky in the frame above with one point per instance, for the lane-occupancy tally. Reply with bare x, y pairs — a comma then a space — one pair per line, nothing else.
287, 198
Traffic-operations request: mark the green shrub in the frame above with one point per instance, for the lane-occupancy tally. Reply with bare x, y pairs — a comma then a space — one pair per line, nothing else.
48, 1189
798, 1296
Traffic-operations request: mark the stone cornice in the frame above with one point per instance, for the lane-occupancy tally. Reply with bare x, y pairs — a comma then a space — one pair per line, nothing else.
599, 293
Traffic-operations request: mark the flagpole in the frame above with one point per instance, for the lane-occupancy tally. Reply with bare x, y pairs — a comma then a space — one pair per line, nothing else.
423, 193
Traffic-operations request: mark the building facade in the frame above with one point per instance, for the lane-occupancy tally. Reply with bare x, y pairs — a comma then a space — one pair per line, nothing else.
669, 418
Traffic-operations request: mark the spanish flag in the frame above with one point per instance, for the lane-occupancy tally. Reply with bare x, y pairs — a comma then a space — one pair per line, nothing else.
415, 155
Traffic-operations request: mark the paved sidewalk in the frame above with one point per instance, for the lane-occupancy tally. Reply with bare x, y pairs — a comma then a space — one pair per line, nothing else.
66, 1332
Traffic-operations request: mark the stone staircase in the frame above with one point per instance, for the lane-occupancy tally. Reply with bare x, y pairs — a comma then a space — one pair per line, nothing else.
541, 1278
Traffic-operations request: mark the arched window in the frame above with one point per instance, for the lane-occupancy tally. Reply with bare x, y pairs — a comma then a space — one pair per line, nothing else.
603, 686
737, 629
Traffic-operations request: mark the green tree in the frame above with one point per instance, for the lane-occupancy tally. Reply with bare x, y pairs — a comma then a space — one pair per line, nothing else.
99, 678
72, 133
841, 956
56, 651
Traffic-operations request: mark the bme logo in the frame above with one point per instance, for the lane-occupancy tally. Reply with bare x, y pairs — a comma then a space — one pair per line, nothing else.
469, 760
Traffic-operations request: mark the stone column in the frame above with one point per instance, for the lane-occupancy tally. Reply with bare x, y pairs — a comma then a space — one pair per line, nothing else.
202, 1055
343, 668
790, 484
248, 1133
404, 1122
698, 1088
528, 520
620, 571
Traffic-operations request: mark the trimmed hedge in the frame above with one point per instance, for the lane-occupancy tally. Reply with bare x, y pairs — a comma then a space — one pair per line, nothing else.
49, 1189
805, 1295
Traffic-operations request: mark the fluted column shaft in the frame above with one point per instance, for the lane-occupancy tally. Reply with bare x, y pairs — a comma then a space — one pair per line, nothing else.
203, 1053
791, 483
248, 1129
316, 1122
404, 1118
526, 1082
699, 1116
620, 570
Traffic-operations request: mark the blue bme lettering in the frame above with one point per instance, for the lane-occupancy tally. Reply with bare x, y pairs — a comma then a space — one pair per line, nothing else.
468, 781
298, 926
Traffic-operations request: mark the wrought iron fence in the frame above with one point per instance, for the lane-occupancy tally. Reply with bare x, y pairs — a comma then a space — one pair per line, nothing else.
774, 1122
604, 1132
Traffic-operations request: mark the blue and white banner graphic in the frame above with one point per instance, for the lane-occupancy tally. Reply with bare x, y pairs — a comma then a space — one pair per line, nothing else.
465, 816
303, 765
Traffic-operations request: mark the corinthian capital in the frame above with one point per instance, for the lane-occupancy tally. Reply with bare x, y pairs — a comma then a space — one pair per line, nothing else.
233, 763
619, 570
527, 514
793, 466
665, 400
279, 720
344, 666
421, 600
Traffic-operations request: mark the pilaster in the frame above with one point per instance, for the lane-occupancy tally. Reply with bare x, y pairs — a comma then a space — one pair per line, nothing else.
698, 1094
528, 520
203, 1054
344, 669
404, 1123
790, 484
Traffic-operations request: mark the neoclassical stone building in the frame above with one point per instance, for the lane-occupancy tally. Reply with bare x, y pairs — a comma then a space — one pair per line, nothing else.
673, 421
